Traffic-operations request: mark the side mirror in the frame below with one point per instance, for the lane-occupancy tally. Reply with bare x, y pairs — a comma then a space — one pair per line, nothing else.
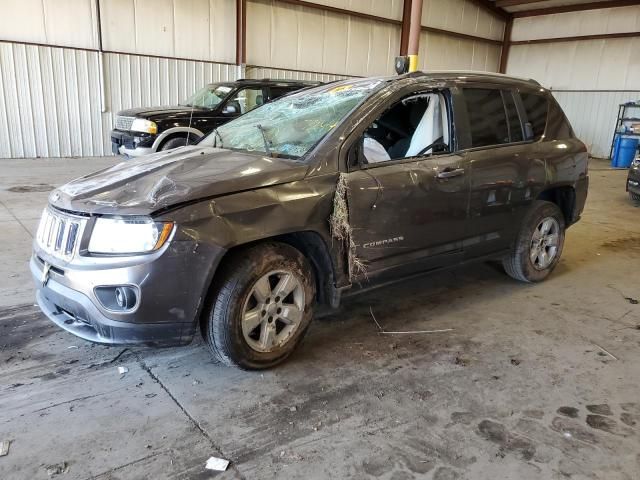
229, 110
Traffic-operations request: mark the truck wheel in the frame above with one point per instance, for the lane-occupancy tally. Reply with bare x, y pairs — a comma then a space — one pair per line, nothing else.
175, 143
635, 198
262, 306
538, 245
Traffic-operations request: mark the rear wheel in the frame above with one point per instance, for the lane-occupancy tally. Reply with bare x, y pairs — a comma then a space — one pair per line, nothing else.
262, 306
538, 245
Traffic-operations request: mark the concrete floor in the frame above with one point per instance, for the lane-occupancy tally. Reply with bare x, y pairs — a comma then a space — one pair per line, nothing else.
521, 388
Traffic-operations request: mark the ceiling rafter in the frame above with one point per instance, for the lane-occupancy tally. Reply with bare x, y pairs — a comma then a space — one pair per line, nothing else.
575, 8
490, 6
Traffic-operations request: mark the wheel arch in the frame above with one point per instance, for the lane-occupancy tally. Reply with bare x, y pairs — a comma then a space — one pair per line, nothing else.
170, 133
310, 244
564, 196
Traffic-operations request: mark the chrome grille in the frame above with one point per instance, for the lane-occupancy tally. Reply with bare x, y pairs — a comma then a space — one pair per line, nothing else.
59, 233
124, 123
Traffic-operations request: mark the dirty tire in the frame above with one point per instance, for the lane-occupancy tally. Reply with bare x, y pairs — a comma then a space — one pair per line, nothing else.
518, 263
237, 280
175, 143
635, 199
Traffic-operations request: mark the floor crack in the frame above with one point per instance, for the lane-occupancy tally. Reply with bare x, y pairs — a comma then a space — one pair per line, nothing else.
194, 422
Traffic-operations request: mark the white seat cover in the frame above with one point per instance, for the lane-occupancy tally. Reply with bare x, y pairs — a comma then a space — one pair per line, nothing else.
374, 152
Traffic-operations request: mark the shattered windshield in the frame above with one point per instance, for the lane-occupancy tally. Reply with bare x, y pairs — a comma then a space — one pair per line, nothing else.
209, 96
292, 125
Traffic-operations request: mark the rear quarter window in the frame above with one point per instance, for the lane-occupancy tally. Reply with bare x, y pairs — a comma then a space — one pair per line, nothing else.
536, 107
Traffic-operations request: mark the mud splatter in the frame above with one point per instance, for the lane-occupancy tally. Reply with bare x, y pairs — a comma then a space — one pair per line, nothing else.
37, 187
602, 423
629, 419
570, 412
497, 433
602, 409
563, 426
631, 407
445, 473
628, 245
536, 414
462, 417
22, 324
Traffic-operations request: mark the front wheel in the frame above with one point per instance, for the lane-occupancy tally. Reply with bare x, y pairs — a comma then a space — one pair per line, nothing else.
175, 143
635, 198
262, 306
538, 245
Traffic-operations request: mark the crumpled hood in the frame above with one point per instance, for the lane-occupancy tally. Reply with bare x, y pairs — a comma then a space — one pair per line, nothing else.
163, 179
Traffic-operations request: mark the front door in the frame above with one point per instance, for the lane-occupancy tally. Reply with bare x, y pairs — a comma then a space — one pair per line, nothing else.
408, 212
408, 194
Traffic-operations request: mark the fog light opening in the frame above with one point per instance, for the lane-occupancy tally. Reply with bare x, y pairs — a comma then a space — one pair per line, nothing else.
122, 298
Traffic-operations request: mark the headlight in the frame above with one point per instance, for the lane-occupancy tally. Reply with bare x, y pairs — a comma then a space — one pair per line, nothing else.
122, 235
142, 125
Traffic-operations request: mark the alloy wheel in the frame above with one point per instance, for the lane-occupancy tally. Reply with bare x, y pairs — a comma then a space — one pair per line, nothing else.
273, 311
544, 243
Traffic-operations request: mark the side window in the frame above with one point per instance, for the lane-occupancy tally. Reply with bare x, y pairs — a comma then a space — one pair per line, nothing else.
487, 118
514, 124
245, 100
417, 125
276, 92
536, 107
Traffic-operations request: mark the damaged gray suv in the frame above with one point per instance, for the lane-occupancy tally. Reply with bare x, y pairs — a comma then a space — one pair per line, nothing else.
285, 208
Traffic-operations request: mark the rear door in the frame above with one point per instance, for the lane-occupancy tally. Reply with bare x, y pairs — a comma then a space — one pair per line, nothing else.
505, 172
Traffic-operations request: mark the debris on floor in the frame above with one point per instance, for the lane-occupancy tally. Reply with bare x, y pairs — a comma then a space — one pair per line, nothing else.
606, 352
462, 361
382, 330
4, 447
57, 469
122, 371
215, 463
515, 361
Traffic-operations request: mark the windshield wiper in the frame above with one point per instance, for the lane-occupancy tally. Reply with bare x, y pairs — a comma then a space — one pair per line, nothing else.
218, 136
264, 138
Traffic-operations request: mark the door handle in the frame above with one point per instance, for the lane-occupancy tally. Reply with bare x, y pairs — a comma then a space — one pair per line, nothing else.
450, 172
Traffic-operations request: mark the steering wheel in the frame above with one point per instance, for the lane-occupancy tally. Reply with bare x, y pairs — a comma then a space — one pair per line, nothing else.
438, 142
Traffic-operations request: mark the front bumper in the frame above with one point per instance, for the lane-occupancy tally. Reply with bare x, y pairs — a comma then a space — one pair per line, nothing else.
130, 144
76, 313
171, 285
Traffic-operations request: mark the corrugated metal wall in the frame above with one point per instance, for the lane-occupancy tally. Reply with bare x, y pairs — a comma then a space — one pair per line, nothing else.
286, 36
462, 16
442, 52
593, 115
599, 74
50, 97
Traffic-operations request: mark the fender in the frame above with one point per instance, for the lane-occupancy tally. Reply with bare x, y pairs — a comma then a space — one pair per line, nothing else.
160, 138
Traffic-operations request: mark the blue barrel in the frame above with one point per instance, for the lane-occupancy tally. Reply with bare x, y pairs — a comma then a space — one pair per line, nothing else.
624, 151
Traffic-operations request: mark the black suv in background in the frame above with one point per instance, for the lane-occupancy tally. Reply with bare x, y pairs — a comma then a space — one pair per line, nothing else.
139, 131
